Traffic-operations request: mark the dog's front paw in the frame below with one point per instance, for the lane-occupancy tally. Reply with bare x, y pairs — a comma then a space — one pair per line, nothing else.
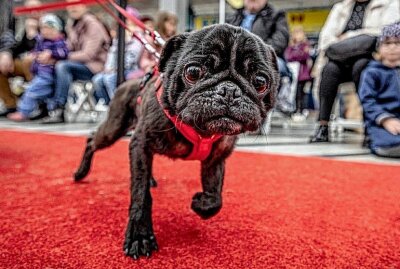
140, 245
206, 205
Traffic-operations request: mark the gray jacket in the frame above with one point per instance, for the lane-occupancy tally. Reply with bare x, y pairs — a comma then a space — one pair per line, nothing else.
7, 40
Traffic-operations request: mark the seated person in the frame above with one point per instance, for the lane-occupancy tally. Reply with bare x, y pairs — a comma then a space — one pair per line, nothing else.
379, 93
347, 19
88, 41
13, 61
105, 83
50, 44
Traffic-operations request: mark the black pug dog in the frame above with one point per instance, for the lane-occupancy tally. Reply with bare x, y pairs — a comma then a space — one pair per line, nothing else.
219, 82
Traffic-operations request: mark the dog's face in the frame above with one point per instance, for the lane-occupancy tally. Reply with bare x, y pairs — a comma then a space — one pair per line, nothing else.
219, 80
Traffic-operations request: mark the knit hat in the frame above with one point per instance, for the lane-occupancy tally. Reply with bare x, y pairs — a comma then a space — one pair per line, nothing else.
390, 31
52, 21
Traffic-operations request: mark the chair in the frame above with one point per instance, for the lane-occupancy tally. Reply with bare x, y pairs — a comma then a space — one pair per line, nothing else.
81, 102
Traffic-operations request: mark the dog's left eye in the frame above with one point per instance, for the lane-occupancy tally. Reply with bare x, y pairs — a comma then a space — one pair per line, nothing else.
193, 73
261, 84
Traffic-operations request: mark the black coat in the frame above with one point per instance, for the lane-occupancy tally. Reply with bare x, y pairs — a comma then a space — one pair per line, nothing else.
270, 25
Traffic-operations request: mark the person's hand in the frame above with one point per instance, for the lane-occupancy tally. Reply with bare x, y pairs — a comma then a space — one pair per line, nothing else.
31, 28
6, 63
392, 125
45, 57
30, 57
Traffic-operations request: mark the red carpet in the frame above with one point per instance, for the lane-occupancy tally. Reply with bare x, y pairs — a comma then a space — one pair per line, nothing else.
279, 212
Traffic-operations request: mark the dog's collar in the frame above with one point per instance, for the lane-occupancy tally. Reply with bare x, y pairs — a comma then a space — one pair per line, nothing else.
202, 146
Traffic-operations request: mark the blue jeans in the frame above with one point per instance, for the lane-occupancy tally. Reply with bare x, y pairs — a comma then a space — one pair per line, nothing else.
39, 89
66, 73
283, 69
105, 85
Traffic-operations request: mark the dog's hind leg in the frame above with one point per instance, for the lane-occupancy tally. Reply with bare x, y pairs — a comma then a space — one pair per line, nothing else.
120, 118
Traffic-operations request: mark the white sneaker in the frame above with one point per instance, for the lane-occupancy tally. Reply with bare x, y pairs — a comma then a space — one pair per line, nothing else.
298, 117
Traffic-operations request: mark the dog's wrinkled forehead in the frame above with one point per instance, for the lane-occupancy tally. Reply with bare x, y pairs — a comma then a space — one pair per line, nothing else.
224, 45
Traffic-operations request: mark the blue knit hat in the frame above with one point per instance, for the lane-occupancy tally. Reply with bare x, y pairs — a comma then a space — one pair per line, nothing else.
390, 31
52, 21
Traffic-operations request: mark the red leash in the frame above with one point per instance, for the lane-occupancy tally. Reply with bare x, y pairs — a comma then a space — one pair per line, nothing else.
51, 6
60, 5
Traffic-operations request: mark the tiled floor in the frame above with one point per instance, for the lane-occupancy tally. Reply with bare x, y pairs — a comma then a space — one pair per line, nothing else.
284, 138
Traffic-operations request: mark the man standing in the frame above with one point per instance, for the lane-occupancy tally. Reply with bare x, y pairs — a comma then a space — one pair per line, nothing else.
262, 19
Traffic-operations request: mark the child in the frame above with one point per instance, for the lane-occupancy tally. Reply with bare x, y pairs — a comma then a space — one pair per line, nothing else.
299, 51
50, 47
380, 95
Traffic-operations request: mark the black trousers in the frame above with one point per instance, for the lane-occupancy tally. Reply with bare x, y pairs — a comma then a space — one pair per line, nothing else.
332, 76
300, 96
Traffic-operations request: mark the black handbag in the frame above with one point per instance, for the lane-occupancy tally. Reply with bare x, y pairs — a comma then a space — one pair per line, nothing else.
348, 50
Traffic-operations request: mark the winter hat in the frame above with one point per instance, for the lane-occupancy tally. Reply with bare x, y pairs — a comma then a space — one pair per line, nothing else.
390, 31
52, 21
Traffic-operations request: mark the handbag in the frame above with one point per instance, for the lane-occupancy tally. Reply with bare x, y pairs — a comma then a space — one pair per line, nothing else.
352, 48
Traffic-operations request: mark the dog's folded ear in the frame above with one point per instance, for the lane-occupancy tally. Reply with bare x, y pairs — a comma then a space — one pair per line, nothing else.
172, 45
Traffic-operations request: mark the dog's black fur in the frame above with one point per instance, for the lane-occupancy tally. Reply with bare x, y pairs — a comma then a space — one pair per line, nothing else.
224, 100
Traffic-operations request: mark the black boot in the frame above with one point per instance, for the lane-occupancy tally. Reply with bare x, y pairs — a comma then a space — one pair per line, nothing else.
321, 135
55, 116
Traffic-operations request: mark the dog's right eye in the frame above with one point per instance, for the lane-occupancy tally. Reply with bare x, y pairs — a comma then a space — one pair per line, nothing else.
261, 84
193, 73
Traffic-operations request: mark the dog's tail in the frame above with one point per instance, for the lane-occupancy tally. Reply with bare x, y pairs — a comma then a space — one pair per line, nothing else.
86, 162
121, 117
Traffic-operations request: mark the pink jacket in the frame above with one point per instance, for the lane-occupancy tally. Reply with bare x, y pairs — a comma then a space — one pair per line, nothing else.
299, 53
88, 42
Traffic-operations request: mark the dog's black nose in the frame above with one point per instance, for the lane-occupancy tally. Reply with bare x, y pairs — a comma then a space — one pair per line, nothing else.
229, 89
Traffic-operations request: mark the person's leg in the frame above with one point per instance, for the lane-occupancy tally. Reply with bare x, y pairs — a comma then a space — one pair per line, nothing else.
100, 91
110, 81
392, 152
357, 69
39, 89
6, 95
22, 69
332, 76
300, 96
66, 73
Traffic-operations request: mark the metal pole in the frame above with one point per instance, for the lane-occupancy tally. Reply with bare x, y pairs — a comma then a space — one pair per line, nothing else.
121, 47
221, 11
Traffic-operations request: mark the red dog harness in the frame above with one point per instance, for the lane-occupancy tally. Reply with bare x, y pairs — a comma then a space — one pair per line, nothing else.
201, 145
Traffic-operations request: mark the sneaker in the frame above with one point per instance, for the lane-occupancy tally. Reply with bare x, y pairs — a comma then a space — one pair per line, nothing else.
7, 111
55, 116
40, 113
17, 116
321, 135
298, 117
